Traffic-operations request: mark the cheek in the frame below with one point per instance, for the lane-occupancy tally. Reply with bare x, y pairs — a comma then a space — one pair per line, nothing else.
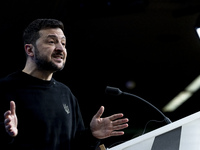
46, 55
65, 53
47, 51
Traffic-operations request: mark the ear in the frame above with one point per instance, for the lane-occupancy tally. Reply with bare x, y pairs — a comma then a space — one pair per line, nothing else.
29, 49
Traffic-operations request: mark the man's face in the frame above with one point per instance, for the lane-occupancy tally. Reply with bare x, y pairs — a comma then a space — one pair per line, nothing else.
50, 51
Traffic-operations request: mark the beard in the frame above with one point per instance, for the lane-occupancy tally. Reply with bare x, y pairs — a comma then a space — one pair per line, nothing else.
43, 64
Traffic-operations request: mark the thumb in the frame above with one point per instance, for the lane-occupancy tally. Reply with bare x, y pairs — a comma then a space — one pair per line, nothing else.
100, 112
12, 107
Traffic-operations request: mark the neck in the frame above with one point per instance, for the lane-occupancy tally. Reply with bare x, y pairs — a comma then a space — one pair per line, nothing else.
35, 72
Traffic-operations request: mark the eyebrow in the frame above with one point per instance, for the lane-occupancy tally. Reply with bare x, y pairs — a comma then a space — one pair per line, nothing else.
54, 36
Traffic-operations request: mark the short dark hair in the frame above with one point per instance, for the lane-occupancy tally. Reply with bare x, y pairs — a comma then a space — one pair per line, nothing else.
31, 33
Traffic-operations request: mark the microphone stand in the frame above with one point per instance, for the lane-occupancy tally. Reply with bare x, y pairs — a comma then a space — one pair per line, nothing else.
117, 91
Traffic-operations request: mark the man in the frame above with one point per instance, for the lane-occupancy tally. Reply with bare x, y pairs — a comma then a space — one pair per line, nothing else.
40, 113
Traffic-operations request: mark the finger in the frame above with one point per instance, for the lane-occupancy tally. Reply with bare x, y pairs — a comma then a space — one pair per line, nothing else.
6, 121
8, 127
120, 127
116, 116
12, 107
7, 113
117, 133
100, 112
120, 121
9, 130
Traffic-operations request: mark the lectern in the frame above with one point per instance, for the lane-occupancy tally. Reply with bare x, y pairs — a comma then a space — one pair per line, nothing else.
183, 134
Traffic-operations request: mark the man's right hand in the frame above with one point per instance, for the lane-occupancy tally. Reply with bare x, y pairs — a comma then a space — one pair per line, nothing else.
10, 120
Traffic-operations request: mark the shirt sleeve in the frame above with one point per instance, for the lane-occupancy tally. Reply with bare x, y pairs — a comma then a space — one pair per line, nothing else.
84, 138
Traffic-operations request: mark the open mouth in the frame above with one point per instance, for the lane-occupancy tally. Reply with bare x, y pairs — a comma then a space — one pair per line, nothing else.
58, 57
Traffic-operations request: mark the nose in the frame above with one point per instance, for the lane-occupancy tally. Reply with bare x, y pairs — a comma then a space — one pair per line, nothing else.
60, 47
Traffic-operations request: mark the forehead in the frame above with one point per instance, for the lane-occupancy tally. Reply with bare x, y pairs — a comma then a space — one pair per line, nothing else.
46, 33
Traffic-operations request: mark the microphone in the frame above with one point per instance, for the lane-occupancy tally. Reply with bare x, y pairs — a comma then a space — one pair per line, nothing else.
116, 91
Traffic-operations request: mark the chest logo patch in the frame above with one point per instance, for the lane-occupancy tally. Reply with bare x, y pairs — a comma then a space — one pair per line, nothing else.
66, 108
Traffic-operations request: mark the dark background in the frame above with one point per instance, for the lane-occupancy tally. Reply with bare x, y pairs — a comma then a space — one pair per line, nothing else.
111, 42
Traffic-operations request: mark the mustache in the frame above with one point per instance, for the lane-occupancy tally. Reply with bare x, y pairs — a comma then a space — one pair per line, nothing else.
58, 54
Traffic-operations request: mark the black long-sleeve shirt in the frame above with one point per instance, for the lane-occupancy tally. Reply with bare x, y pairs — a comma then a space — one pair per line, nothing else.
48, 114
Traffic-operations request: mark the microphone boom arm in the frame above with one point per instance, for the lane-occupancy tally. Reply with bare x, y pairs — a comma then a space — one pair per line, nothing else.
167, 120
117, 91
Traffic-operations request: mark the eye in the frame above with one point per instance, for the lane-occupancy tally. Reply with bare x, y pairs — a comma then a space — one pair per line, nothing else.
51, 41
64, 44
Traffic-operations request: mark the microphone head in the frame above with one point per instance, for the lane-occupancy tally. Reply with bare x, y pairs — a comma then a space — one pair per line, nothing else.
112, 90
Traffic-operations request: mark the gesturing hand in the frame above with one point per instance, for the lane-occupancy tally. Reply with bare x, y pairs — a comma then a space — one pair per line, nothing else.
105, 127
10, 120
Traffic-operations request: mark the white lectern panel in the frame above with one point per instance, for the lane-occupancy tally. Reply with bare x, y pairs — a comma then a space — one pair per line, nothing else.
183, 134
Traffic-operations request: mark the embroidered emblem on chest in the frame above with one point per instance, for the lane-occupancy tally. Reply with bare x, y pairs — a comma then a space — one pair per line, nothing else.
66, 108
